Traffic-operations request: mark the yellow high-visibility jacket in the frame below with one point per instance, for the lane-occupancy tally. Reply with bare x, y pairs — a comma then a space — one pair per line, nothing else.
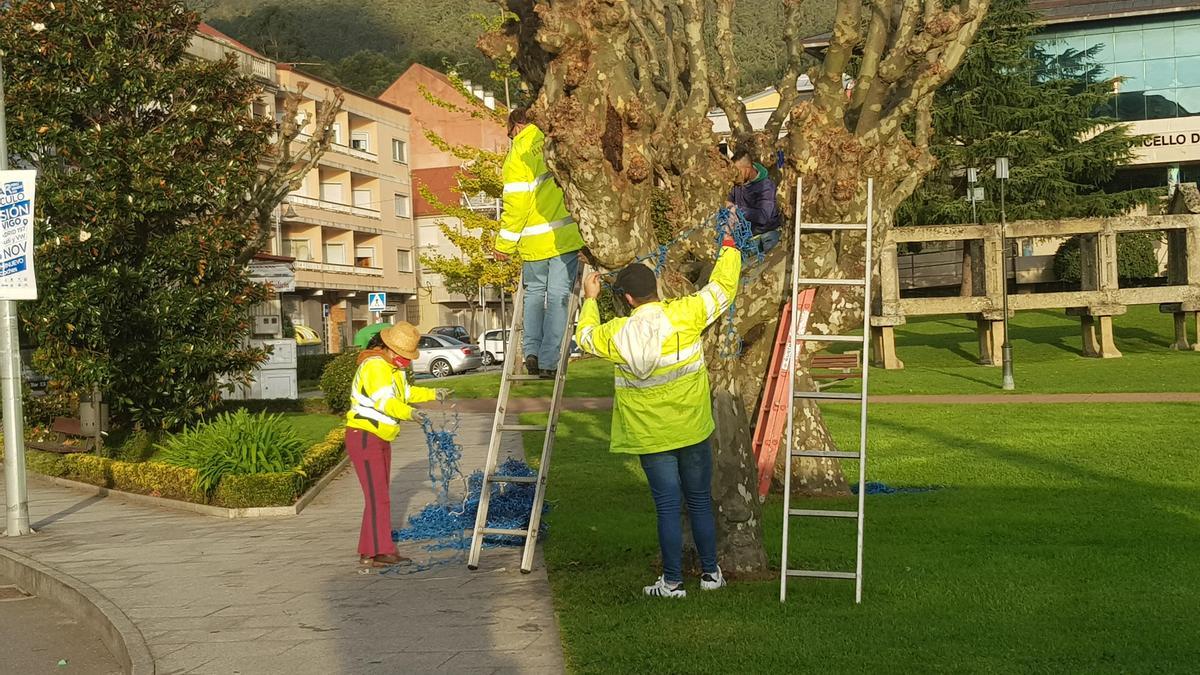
663, 401
380, 397
535, 223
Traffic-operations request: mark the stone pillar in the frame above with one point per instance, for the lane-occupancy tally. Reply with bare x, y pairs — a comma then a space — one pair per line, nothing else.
883, 348
1181, 336
1107, 347
991, 340
1091, 346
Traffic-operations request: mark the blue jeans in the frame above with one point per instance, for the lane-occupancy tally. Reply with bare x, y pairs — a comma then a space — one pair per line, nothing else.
683, 475
769, 239
548, 285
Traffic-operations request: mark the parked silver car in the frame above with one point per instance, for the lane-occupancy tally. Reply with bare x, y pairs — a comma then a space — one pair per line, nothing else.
442, 356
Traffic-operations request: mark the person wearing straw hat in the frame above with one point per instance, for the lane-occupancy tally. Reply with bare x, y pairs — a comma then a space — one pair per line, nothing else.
380, 399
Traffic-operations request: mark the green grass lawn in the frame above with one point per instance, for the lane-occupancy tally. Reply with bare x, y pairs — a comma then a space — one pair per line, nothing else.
1064, 539
586, 377
941, 353
313, 427
940, 357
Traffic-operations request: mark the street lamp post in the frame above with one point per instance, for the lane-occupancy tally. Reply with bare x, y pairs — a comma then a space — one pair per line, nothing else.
1006, 348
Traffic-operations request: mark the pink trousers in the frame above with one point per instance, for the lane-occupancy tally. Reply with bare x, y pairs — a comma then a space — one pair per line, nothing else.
372, 458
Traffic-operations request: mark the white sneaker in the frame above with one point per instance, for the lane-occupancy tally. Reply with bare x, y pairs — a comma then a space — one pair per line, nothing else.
711, 581
661, 589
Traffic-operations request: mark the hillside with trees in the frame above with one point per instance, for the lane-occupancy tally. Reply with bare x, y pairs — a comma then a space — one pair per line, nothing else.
364, 46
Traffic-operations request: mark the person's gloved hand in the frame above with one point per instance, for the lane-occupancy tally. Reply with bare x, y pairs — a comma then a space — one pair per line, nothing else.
443, 394
421, 418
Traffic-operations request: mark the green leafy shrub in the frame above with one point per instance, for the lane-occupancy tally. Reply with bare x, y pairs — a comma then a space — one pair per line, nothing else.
310, 366
40, 411
336, 380
89, 469
260, 489
137, 446
1135, 258
234, 444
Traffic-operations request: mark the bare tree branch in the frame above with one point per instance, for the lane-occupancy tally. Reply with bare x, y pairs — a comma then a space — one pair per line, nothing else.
724, 83
878, 32
697, 52
793, 52
943, 56
846, 35
290, 164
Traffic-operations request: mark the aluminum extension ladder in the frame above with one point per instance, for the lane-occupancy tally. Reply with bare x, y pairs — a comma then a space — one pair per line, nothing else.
511, 374
796, 339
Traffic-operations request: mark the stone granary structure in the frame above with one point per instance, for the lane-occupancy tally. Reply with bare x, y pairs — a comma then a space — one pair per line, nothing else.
1099, 299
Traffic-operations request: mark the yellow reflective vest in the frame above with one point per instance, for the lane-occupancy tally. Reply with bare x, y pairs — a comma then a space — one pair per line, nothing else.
662, 401
535, 223
380, 397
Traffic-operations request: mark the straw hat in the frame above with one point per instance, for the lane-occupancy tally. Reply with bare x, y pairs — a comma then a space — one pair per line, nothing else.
402, 339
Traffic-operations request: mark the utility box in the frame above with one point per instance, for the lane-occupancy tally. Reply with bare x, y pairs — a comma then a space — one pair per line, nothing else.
268, 325
276, 377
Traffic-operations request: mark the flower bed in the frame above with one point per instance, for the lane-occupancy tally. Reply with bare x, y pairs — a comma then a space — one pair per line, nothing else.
172, 482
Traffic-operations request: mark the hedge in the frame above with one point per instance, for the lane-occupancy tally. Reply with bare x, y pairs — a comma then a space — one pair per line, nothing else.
310, 366
173, 482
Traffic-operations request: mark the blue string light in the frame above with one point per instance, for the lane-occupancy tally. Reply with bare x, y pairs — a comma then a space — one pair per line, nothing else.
446, 522
877, 488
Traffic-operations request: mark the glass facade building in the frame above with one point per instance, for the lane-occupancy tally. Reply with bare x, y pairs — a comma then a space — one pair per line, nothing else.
1157, 56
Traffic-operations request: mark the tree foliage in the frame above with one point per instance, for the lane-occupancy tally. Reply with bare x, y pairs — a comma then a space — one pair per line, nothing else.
1045, 113
1135, 258
474, 232
151, 200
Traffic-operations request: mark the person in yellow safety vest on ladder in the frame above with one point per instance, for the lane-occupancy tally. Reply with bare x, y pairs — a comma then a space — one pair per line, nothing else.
663, 406
535, 225
379, 400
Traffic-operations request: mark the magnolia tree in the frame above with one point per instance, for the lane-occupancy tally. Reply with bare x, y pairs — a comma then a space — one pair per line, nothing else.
622, 92
156, 185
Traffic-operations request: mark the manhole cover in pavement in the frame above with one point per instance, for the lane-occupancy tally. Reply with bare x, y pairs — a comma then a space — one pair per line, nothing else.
12, 593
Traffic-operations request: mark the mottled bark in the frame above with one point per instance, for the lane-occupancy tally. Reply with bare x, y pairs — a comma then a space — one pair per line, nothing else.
622, 93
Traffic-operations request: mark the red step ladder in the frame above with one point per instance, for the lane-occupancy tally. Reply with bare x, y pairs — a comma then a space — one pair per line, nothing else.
773, 411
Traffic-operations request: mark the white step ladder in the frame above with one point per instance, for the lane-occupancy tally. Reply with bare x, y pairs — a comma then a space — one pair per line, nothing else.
794, 343
511, 373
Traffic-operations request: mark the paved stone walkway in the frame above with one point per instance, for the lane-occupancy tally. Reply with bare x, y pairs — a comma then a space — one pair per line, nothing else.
285, 596
522, 405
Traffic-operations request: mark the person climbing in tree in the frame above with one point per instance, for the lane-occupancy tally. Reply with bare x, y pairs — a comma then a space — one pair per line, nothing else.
754, 196
662, 410
379, 399
535, 224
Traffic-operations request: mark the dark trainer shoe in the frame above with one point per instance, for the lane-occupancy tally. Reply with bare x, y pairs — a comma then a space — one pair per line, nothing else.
531, 365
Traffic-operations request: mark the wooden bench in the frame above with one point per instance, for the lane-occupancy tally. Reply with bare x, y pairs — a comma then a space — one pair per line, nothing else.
65, 428
836, 367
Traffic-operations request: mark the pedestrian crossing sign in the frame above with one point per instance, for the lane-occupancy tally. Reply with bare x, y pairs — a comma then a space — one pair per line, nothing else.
376, 302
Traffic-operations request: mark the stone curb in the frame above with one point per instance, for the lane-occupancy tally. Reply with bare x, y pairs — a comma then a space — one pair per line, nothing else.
119, 634
204, 509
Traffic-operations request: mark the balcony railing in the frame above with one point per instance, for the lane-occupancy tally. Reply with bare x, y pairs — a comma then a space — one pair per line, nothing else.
335, 268
336, 207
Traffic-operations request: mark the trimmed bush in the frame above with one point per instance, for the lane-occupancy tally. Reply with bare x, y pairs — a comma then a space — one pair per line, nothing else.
89, 469
260, 489
323, 456
46, 463
157, 480
277, 488
234, 444
1135, 258
309, 367
336, 381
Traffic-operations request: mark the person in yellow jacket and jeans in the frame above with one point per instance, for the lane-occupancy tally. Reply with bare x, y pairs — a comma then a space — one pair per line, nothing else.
379, 400
662, 410
535, 225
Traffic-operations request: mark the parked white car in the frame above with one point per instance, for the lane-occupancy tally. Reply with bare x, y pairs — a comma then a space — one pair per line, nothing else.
493, 343
442, 356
